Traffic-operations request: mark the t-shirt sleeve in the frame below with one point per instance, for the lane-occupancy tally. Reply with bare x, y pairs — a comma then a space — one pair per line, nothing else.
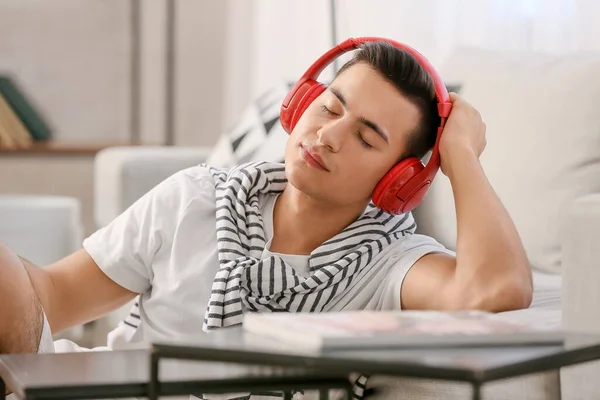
125, 249
406, 255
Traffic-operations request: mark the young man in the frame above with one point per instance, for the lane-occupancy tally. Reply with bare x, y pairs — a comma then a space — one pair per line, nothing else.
303, 237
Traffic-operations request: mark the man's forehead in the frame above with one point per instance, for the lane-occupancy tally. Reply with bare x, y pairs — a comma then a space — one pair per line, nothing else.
364, 80
368, 93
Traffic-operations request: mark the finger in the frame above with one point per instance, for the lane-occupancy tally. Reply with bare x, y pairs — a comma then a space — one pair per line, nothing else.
453, 97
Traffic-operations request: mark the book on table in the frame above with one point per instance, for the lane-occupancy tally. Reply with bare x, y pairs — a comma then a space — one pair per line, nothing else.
389, 329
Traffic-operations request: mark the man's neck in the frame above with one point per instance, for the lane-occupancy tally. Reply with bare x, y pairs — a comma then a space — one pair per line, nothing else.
301, 223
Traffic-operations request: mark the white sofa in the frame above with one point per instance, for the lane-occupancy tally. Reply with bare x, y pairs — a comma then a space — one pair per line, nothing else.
543, 158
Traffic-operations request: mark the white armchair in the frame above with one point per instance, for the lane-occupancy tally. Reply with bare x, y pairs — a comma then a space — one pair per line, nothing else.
123, 174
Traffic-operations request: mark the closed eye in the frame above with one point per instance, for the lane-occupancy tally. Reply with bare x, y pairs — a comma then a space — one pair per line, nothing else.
362, 140
327, 110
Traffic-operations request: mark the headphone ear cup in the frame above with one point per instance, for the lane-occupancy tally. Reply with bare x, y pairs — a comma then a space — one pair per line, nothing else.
310, 96
300, 97
392, 194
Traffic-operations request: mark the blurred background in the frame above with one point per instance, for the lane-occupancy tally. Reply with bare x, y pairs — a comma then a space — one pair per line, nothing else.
78, 77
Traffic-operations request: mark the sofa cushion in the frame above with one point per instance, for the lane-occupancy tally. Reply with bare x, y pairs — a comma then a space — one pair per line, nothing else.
543, 142
257, 135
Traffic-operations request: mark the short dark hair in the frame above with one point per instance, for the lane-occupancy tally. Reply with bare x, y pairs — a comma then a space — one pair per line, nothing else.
408, 76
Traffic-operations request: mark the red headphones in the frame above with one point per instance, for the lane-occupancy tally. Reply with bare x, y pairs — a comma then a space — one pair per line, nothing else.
405, 185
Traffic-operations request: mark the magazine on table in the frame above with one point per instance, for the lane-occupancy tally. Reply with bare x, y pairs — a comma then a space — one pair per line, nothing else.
388, 329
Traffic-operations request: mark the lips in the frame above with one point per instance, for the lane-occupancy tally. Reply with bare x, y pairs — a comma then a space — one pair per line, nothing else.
313, 159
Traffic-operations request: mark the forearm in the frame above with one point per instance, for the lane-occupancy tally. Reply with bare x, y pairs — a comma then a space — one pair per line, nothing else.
80, 291
71, 291
489, 254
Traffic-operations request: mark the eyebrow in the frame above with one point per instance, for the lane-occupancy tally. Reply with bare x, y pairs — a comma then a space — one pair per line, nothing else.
362, 120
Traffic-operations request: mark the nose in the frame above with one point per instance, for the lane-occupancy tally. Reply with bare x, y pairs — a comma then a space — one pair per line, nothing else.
333, 134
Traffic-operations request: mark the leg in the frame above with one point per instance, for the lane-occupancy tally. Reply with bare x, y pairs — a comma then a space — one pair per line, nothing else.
21, 318
153, 386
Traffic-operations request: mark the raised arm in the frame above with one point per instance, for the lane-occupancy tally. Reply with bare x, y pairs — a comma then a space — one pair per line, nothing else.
491, 271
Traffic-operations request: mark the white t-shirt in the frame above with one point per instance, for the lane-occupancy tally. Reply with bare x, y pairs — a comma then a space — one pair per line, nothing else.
165, 247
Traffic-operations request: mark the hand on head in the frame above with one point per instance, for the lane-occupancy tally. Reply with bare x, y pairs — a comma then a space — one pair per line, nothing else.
464, 133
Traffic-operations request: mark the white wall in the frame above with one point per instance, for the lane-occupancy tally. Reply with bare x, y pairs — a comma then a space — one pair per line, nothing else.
289, 36
240, 47
72, 59
152, 90
201, 28
270, 41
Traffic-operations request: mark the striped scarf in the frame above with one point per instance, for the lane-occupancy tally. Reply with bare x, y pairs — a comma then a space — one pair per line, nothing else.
245, 282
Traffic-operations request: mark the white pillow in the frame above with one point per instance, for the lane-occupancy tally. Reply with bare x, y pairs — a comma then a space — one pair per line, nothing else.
543, 142
257, 135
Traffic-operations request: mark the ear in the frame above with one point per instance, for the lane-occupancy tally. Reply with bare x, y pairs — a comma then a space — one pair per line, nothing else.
310, 96
297, 101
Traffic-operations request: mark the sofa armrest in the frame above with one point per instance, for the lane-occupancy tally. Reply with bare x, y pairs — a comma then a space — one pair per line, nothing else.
580, 235
123, 174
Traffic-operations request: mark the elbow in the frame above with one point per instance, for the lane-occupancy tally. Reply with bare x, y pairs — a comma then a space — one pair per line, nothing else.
509, 292
508, 296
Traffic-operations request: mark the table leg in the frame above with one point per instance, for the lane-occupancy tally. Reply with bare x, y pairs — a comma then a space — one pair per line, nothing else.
287, 395
153, 386
476, 391
349, 393
324, 394
2, 389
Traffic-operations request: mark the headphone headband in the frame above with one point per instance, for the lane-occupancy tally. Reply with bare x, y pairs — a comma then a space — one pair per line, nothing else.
441, 93
350, 44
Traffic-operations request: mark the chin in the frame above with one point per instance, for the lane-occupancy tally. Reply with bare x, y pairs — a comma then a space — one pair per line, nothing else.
303, 178
298, 173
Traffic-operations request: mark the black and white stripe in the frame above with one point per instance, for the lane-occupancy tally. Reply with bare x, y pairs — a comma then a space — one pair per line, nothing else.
244, 282
132, 321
